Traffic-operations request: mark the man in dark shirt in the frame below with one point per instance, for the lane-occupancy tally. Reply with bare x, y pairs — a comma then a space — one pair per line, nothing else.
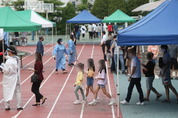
107, 49
76, 29
40, 47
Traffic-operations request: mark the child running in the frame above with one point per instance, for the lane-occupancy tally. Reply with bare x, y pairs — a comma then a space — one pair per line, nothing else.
79, 82
101, 81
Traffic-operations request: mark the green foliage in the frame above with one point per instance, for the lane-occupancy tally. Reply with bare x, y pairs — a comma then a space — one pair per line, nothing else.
6, 3
116, 4
68, 12
100, 8
82, 7
18, 5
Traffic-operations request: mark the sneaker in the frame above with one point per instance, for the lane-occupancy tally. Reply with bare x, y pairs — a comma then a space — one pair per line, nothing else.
176, 78
98, 100
69, 65
124, 102
112, 102
146, 99
157, 98
92, 103
77, 102
140, 103
84, 102
156, 77
72, 64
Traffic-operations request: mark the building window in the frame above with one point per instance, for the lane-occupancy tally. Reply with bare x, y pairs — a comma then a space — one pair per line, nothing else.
73, 3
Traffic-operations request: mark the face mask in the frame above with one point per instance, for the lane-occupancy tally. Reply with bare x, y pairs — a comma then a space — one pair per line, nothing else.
72, 33
62, 43
163, 50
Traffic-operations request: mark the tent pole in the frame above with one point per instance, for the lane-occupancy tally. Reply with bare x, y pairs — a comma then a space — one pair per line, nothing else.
70, 27
36, 37
52, 36
3, 49
66, 31
117, 84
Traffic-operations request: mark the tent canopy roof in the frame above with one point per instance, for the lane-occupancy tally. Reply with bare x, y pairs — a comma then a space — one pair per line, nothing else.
35, 17
160, 27
118, 17
12, 22
84, 17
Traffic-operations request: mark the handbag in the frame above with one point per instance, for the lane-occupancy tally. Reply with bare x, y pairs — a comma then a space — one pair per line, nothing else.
34, 78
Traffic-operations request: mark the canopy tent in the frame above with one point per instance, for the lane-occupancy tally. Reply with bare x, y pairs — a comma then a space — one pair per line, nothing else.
160, 27
84, 17
12, 22
149, 6
118, 17
35, 17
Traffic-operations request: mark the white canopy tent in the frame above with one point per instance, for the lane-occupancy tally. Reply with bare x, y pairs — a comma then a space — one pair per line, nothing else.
149, 6
35, 17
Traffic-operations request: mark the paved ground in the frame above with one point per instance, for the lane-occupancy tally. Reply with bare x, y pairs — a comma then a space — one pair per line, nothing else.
151, 109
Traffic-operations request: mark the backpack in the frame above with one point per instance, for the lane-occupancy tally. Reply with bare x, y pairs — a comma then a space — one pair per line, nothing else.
161, 63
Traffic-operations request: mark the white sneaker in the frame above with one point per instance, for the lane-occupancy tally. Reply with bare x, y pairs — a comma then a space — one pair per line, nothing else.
112, 102
77, 102
140, 103
84, 102
92, 103
156, 77
124, 102
98, 100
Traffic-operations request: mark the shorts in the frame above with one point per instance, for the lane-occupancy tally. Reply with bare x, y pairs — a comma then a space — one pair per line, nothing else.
166, 78
128, 62
173, 63
90, 81
149, 82
108, 56
101, 86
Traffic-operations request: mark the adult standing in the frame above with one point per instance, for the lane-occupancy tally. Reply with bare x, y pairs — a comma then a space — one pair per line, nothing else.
1, 50
94, 30
115, 28
99, 30
40, 47
58, 54
90, 30
107, 49
121, 56
155, 50
11, 79
75, 43
173, 49
71, 51
165, 73
76, 29
38, 69
135, 78
103, 41
109, 28
83, 29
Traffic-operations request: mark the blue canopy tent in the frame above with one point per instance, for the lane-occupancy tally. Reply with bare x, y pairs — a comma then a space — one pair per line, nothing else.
84, 17
160, 27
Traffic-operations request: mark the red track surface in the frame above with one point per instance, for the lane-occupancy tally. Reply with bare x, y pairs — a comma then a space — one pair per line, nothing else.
59, 90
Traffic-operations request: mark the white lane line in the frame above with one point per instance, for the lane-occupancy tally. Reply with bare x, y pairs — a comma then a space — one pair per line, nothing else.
83, 105
64, 85
31, 62
109, 86
33, 95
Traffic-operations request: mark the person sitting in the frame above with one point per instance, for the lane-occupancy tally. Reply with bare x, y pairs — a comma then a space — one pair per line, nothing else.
16, 38
24, 39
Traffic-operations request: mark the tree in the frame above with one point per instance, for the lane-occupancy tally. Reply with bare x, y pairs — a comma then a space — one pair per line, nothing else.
18, 5
68, 12
100, 8
6, 3
116, 4
84, 5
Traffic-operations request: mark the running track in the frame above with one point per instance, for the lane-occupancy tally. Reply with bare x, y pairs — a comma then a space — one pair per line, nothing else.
59, 90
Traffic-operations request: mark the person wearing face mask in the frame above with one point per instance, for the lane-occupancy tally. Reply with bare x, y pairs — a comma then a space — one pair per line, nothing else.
71, 51
58, 54
134, 78
40, 47
173, 49
165, 74
11, 79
